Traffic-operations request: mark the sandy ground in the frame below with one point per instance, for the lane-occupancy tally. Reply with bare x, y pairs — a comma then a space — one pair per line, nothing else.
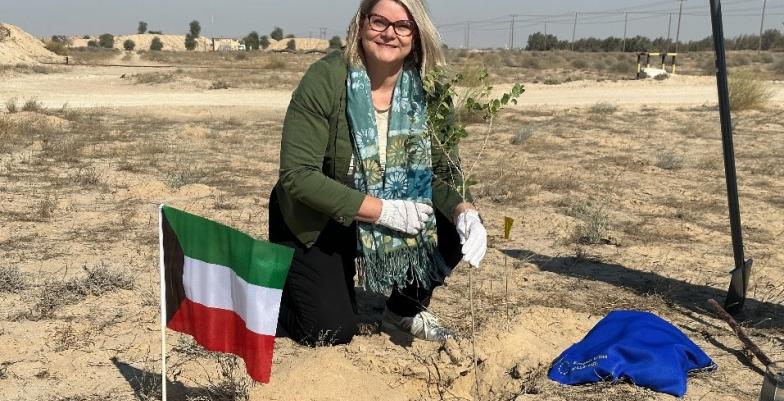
104, 87
79, 190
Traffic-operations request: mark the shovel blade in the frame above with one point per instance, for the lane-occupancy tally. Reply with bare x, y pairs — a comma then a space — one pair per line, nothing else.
739, 282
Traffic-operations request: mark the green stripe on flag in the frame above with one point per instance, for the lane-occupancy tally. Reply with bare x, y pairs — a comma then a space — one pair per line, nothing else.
257, 262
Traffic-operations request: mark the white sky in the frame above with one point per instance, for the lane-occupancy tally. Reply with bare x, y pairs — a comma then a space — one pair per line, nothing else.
305, 17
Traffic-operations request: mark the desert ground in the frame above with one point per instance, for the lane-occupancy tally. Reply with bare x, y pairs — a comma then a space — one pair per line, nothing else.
616, 187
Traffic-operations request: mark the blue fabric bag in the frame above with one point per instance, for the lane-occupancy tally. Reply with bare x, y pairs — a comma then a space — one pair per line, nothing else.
636, 346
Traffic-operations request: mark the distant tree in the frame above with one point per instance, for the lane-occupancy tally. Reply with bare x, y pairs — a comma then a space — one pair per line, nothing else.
61, 39
538, 41
92, 43
195, 29
106, 41
156, 44
264, 42
251, 41
129, 45
335, 42
155, 32
142, 28
190, 38
190, 42
277, 33
290, 36
291, 45
86, 37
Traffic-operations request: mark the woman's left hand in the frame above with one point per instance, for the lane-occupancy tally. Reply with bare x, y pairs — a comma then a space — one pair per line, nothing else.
473, 236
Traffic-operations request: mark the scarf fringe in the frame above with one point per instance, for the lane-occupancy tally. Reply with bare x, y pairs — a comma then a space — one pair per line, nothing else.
381, 272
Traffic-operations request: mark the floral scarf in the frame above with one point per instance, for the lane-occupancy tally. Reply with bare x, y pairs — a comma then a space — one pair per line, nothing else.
388, 258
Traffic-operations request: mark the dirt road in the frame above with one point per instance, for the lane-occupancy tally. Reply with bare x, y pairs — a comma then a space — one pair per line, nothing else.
105, 87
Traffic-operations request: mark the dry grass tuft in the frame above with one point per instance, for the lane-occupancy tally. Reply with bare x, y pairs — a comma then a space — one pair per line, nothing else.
603, 108
522, 135
44, 210
669, 161
748, 92
152, 78
593, 225
55, 294
12, 280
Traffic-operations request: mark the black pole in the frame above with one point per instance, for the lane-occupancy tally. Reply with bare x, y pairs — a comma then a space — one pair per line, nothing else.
739, 281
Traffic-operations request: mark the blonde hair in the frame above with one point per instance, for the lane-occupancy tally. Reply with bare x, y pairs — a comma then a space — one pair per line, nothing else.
426, 51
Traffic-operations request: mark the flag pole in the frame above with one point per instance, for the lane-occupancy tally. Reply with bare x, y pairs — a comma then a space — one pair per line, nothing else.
163, 305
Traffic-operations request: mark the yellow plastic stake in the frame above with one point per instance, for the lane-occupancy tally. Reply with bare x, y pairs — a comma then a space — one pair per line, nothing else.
508, 221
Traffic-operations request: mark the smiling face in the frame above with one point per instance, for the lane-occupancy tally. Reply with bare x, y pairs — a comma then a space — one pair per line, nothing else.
387, 47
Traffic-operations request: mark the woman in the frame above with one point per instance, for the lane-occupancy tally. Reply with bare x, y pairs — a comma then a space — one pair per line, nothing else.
361, 186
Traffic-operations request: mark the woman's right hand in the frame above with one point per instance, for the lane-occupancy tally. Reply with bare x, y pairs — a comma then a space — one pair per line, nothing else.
403, 215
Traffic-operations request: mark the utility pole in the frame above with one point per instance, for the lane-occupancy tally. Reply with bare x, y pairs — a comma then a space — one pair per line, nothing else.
545, 36
574, 31
678, 33
322, 33
669, 25
762, 23
625, 24
467, 34
511, 31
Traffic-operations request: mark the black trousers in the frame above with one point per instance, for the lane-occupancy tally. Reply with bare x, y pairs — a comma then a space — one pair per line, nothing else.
318, 305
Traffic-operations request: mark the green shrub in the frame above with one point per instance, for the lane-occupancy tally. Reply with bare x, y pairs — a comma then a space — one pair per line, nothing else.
277, 33
190, 42
335, 42
264, 42
106, 41
156, 44
291, 45
129, 45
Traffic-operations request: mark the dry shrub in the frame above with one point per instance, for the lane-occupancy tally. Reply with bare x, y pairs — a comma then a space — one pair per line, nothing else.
45, 208
522, 135
153, 78
11, 280
55, 294
276, 63
11, 106
778, 67
748, 92
669, 161
219, 84
603, 108
593, 225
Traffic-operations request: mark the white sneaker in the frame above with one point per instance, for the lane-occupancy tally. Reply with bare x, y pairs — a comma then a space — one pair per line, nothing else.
423, 325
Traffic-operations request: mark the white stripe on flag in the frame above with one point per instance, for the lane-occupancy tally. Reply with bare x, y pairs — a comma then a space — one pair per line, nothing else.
217, 286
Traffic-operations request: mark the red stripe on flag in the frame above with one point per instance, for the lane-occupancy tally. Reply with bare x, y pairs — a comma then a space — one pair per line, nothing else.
223, 330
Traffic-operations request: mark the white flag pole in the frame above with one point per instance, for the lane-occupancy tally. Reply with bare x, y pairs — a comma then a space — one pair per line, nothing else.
163, 305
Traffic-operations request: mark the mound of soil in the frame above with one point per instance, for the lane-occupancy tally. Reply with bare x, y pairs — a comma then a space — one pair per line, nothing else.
18, 46
303, 44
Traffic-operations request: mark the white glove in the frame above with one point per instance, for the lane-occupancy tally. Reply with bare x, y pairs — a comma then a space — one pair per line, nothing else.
402, 215
473, 236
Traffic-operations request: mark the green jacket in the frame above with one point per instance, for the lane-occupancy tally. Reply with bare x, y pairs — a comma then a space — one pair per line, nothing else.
316, 150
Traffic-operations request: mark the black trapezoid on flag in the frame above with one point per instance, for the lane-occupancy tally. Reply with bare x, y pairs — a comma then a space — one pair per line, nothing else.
173, 262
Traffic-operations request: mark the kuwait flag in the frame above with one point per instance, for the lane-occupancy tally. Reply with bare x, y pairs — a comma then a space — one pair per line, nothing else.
222, 287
